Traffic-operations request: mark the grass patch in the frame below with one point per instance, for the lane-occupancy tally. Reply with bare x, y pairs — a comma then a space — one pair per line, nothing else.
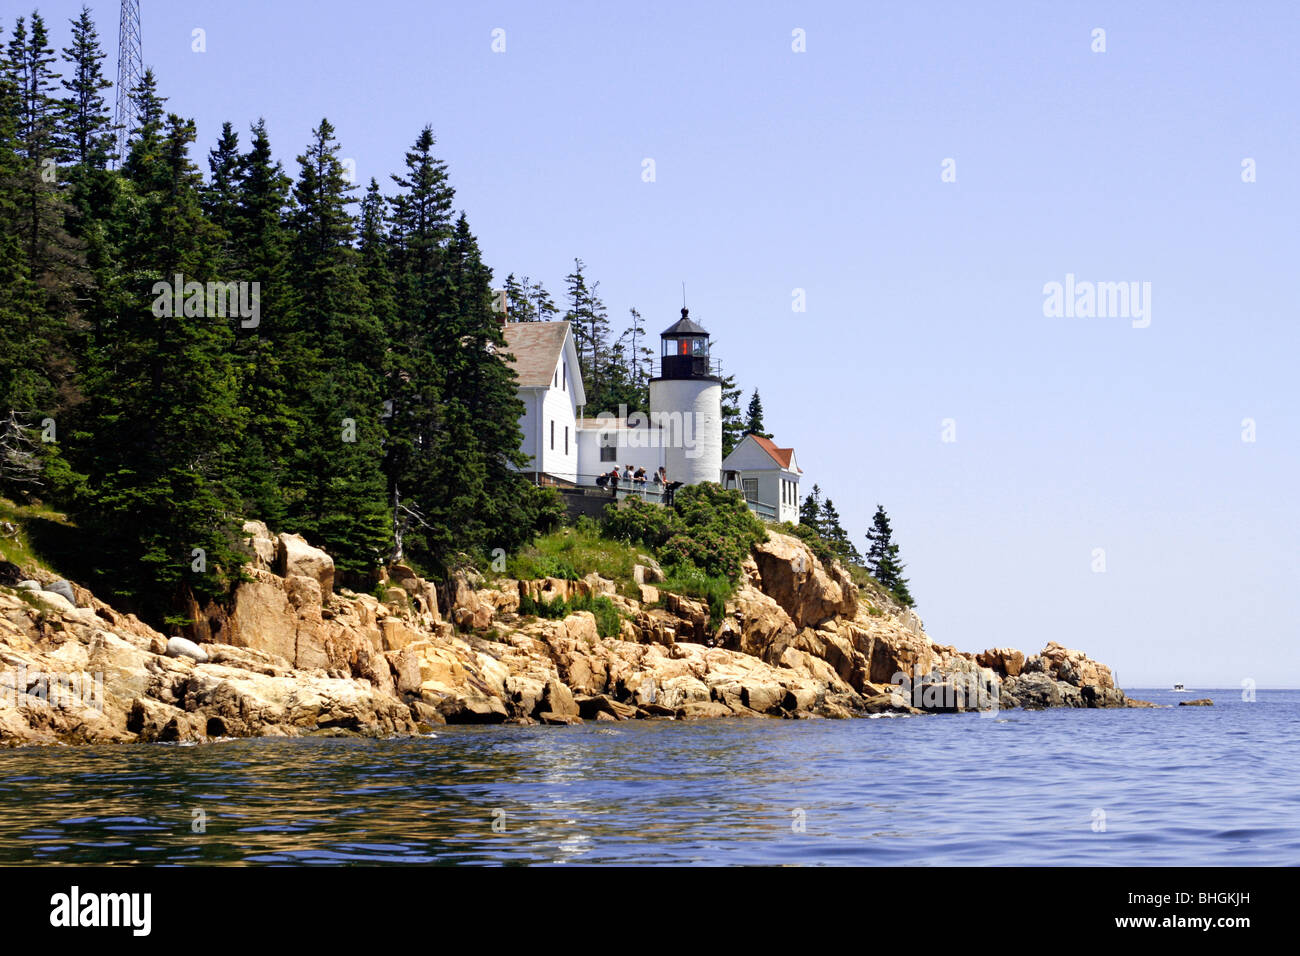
691, 582
44, 539
608, 619
572, 553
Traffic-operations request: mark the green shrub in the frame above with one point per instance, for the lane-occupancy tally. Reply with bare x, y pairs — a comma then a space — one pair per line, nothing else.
639, 522
688, 580
608, 619
717, 530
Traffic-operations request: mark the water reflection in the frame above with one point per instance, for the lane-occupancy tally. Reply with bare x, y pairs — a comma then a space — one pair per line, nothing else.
1215, 788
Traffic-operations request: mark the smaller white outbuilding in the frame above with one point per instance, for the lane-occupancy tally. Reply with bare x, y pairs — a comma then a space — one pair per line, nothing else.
768, 477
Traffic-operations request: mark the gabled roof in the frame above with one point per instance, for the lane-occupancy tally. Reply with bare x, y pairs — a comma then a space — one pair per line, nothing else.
684, 326
536, 347
782, 456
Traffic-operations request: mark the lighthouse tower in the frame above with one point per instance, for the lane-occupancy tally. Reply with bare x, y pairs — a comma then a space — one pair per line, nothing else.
686, 402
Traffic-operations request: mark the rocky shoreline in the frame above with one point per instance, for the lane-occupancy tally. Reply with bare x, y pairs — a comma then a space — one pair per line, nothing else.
289, 655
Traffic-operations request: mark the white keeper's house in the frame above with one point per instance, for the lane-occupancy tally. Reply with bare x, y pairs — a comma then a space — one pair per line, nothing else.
682, 435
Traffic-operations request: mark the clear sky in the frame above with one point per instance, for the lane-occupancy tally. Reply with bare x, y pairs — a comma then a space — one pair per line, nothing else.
778, 170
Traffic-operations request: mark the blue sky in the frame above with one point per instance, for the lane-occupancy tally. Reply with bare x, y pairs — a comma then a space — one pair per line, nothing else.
820, 171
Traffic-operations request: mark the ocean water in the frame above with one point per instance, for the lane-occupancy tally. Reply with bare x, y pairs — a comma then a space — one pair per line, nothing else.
1185, 785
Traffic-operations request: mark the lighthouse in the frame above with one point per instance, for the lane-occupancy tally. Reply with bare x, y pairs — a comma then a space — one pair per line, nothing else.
686, 402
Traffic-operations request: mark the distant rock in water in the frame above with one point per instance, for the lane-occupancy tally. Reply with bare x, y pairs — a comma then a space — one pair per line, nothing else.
1200, 702
287, 654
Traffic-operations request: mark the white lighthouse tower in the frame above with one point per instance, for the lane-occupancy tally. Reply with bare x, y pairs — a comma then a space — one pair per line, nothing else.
686, 402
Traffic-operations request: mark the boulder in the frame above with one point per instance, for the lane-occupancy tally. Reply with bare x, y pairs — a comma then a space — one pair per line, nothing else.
547, 717
558, 699
1005, 661
262, 618
55, 600
793, 577
1200, 702
302, 591
180, 647
293, 555
64, 589
261, 543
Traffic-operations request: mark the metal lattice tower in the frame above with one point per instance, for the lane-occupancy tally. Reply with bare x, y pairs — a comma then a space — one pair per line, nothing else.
130, 69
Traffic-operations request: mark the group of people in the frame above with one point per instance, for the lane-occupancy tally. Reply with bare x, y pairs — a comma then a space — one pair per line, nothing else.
639, 481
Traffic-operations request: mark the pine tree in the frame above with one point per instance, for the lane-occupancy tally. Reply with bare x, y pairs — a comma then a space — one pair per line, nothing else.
754, 417
53, 263
88, 127
273, 356
810, 510
501, 512
146, 139
591, 333
640, 359
420, 227
335, 477
528, 301
882, 558
733, 425
220, 196
835, 536
163, 421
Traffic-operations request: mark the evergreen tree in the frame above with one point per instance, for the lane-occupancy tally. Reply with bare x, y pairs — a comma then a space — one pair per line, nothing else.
335, 478
420, 227
163, 418
591, 333
52, 264
882, 558
88, 128
273, 356
835, 536
733, 425
500, 513
146, 139
810, 510
220, 196
640, 359
529, 301
754, 417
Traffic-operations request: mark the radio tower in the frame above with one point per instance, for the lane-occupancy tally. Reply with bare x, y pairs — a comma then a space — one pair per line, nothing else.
130, 68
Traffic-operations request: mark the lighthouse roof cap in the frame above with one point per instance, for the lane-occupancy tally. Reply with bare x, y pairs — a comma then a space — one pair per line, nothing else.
684, 326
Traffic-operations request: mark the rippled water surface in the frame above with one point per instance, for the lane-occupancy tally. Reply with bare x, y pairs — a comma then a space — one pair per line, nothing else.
1213, 785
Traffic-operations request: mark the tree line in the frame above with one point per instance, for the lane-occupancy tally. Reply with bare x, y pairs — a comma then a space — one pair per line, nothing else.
179, 353
820, 516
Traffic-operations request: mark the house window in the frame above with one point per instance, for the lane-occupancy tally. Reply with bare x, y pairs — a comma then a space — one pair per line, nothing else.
608, 451
564, 375
751, 488
552, 434
566, 439
555, 379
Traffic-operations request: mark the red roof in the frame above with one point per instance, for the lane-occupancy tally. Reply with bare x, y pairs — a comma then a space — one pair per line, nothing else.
780, 455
